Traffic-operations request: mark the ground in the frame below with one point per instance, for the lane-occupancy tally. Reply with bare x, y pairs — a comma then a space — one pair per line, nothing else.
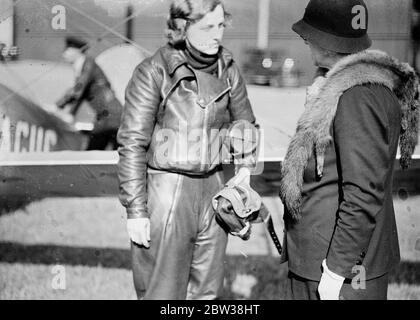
85, 239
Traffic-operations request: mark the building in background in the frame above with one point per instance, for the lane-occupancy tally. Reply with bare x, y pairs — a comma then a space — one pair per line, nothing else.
8, 51
102, 21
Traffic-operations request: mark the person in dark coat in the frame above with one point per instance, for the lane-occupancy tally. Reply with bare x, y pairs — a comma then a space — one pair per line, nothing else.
93, 86
340, 232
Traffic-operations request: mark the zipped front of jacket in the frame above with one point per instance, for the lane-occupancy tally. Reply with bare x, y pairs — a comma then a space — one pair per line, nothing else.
203, 101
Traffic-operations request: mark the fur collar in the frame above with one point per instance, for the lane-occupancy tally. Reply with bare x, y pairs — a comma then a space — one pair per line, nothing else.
313, 130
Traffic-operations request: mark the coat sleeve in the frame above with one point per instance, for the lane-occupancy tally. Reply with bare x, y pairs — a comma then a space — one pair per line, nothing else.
240, 109
361, 141
138, 120
77, 93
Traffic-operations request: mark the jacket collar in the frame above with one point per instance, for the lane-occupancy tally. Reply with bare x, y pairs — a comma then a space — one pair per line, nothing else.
209, 87
176, 58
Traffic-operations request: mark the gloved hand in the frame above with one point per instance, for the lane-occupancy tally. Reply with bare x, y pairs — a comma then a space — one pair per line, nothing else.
63, 113
243, 175
237, 204
330, 284
226, 217
139, 231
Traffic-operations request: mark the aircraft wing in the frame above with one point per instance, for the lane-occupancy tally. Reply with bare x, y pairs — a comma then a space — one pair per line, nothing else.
26, 127
118, 64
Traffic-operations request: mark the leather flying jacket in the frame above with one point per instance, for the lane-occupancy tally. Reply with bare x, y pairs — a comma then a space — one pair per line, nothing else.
175, 118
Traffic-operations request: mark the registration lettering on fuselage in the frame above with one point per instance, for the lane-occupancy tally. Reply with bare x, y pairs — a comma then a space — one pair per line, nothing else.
22, 137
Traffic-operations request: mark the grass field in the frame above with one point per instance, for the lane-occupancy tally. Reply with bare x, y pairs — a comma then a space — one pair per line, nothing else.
87, 237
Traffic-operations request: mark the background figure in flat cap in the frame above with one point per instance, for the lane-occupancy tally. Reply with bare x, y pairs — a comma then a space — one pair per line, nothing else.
341, 238
92, 85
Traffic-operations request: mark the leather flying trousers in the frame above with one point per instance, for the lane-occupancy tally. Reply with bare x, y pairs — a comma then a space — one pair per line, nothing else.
187, 249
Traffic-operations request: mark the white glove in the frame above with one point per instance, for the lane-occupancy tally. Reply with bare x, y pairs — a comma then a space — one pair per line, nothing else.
139, 231
330, 284
65, 115
49, 107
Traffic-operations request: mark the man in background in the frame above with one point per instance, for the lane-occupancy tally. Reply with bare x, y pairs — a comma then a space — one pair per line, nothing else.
93, 86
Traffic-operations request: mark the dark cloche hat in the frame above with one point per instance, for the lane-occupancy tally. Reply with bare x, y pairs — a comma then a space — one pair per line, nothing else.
336, 25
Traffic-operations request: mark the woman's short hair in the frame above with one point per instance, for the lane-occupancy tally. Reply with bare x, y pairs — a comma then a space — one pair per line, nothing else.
185, 12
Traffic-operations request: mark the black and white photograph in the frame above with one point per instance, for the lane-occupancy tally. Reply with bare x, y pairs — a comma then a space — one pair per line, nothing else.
231, 151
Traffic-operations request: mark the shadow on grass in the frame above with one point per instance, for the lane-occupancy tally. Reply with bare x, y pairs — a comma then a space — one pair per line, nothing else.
267, 270
11, 252
11, 204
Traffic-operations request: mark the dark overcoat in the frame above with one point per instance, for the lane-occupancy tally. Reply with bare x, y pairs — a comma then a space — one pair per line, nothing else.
338, 172
93, 86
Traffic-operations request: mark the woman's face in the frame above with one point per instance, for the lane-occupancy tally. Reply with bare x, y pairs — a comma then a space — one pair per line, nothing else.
321, 57
207, 33
318, 55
